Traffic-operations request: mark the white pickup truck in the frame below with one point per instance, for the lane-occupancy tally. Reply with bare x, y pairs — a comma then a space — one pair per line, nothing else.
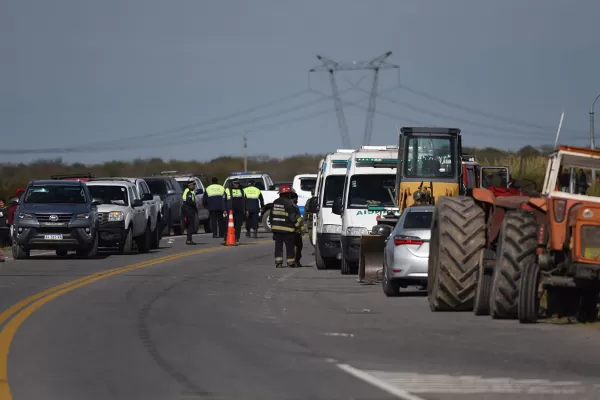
303, 184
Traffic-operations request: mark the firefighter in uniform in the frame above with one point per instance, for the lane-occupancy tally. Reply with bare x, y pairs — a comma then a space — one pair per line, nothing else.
254, 203
214, 201
189, 210
300, 231
236, 201
285, 219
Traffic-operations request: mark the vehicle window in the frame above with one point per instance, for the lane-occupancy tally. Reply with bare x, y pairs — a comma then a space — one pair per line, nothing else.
308, 184
258, 183
134, 194
52, 194
371, 190
418, 220
182, 185
175, 186
157, 187
334, 186
144, 188
430, 157
116, 195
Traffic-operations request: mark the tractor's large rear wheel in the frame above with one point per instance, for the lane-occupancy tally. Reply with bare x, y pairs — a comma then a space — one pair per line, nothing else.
517, 247
456, 251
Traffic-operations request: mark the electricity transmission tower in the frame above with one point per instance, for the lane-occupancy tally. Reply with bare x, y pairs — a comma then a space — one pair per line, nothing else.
376, 64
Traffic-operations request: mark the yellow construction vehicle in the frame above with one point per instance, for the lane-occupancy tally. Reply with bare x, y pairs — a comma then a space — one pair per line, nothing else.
429, 166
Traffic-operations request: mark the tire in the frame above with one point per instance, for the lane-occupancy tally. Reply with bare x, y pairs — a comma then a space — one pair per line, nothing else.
319, 262
125, 247
206, 226
179, 230
517, 245
168, 226
143, 241
481, 305
89, 252
345, 267
265, 221
18, 252
155, 236
529, 300
458, 241
62, 253
390, 288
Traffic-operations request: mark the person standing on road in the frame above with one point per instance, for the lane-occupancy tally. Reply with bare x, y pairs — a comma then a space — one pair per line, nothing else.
254, 203
189, 210
214, 201
285, 220
236, 202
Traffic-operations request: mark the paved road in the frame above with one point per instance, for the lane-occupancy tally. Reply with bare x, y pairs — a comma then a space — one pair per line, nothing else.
223, 323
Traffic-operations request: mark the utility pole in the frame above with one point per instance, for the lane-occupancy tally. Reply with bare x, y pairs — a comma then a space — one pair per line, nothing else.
592, 139
376, 64
245, 155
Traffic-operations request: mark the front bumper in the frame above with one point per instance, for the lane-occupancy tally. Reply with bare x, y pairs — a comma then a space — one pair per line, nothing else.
350, 248
111, 232
329, 245
63, 238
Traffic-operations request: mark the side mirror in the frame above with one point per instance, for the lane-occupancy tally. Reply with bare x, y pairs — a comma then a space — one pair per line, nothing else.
170, 191
313, 205
147, 197
336, 208
272, 187
97, 202
199, 191
14, 200
382, 230
137, 203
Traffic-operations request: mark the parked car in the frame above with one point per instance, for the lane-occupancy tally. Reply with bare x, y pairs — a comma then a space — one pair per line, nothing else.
406, 252
171, 202
56, 215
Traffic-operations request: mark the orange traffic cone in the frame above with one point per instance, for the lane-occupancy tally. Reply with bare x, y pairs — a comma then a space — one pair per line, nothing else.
230, 241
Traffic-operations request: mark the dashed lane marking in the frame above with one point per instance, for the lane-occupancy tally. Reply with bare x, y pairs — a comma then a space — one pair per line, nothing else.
404, 385
19, 312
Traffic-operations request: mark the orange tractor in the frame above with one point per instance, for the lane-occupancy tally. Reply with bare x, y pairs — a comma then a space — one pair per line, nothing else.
499, 255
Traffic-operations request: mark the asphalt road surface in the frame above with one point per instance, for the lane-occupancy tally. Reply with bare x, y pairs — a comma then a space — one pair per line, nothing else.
210, 322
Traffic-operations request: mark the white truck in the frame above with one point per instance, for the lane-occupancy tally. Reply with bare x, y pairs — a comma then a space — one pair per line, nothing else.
125, 215
370, 181
327, 226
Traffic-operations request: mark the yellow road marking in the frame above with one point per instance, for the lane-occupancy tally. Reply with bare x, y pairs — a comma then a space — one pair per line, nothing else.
24, 308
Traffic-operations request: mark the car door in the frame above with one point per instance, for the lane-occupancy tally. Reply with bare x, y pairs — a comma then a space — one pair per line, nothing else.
139, 217
150, 205
176, 198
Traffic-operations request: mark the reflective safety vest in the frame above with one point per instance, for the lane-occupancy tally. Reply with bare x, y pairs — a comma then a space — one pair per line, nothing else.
215, 190
285, 216
186, 192
252, 192
234, 193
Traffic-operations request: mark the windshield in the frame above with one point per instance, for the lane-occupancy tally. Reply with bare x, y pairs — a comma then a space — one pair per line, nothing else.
116, 195
371, 190
418, 220
245, 182
308, 184
55, 194
157, 186
430, 157
334, 187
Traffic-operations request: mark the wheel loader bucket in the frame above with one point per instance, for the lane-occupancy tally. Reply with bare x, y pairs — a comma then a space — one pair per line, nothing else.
370, 266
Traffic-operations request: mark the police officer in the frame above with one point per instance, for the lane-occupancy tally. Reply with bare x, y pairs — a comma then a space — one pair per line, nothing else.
285, 219
189, 210
236, 201
300, 231
254, 203
214, 201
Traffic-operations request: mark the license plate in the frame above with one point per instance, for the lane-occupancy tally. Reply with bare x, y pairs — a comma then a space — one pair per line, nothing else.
592, 252
53, 237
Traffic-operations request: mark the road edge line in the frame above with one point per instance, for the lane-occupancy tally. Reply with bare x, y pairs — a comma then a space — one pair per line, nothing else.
386, 387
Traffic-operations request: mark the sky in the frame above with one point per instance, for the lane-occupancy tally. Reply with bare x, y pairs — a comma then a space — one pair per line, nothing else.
91, 81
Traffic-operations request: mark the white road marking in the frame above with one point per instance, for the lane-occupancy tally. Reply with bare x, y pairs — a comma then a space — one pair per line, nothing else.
386, 387
402, 383
339, 334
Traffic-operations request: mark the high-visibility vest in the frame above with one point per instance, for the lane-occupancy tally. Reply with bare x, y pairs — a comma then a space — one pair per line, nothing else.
252, 192
185, 194
234, 193
215, 190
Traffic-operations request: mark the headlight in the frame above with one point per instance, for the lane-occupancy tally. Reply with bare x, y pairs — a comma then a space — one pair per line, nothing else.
332, 229
356, 231
82, 216
115, 216
25, 216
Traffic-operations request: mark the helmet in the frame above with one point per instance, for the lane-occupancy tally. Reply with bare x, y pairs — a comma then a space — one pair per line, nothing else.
286, 189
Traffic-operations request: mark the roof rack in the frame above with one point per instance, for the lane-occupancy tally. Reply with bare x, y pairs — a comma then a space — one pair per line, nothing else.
111, 179
73, 176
